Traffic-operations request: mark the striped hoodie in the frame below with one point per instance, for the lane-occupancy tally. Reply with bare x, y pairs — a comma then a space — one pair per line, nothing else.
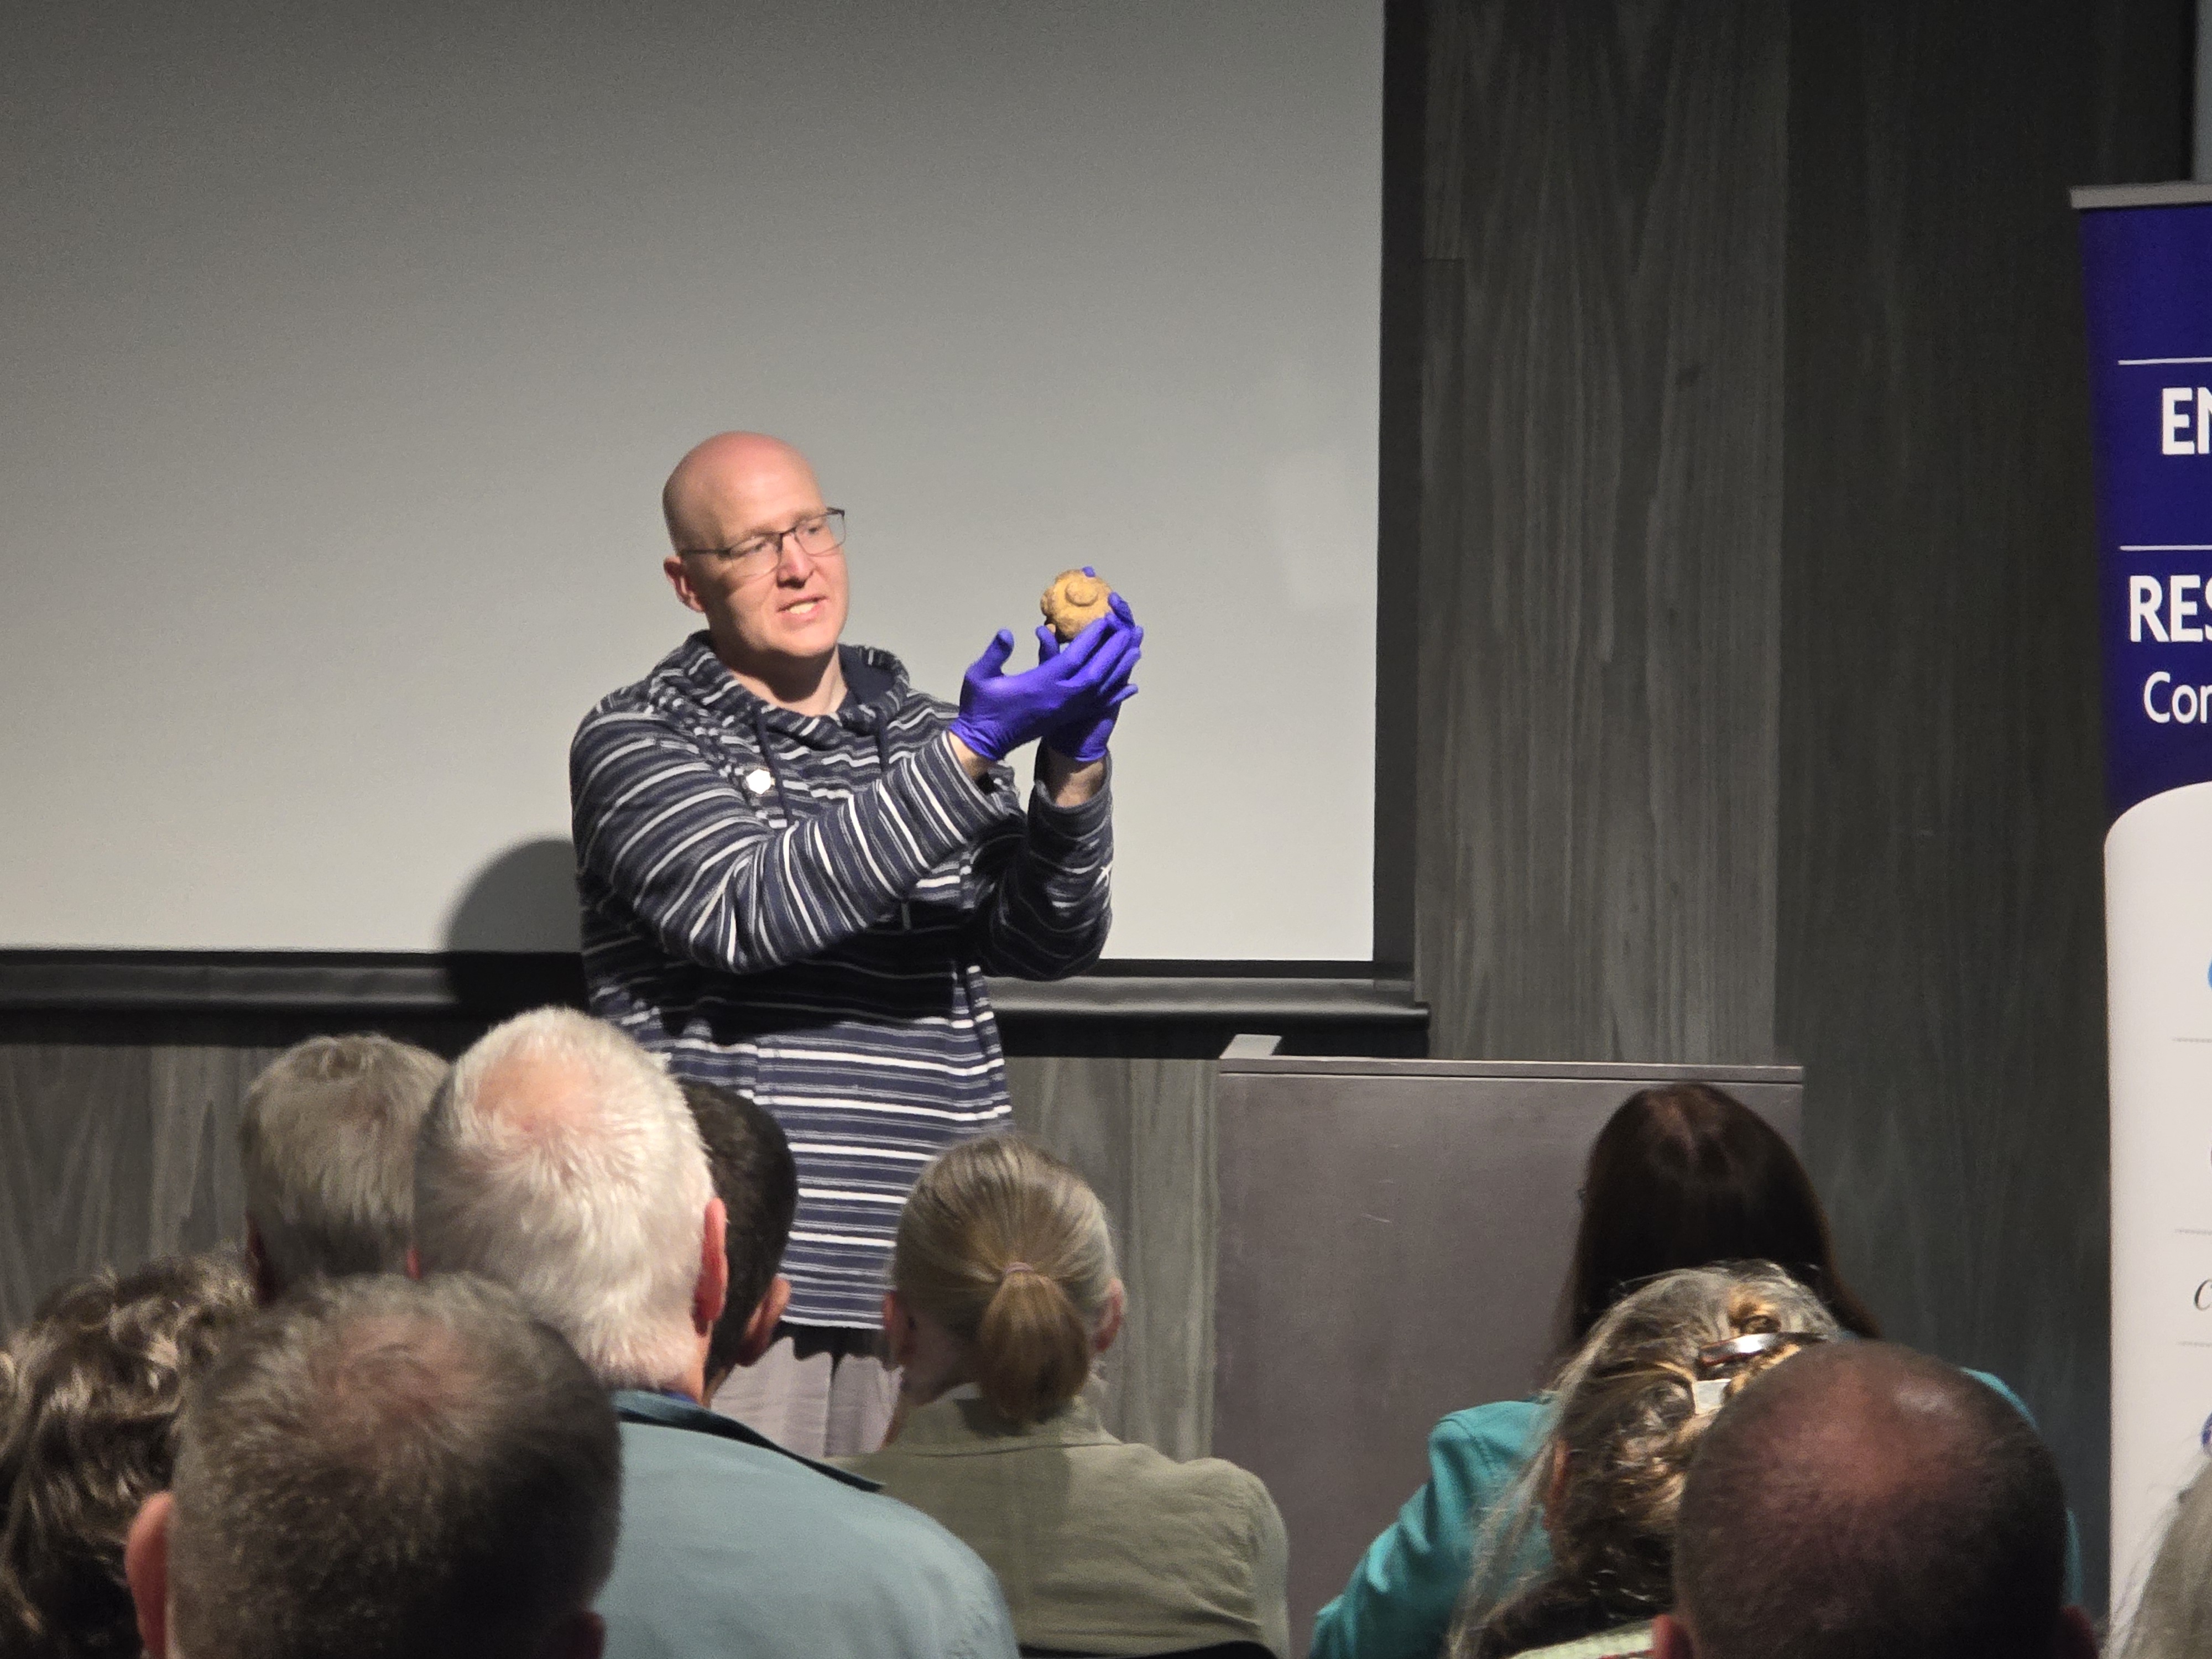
804, 908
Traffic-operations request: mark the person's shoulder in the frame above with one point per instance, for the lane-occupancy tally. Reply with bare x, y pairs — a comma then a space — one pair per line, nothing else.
651, 702
1504, 1424
816, 1509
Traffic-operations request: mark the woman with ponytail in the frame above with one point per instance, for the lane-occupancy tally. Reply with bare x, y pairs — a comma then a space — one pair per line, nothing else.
1004, 1294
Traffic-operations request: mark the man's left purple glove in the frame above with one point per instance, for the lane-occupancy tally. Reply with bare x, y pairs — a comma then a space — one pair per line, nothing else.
1084, 741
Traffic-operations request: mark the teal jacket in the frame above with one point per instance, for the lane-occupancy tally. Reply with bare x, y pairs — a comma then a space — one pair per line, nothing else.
1400, 1601
732, 1545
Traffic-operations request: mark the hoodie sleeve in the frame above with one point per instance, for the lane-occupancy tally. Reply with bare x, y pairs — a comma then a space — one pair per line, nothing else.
1047, 902
713, 882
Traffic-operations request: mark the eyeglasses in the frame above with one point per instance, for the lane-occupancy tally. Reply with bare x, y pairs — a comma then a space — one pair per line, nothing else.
819, 536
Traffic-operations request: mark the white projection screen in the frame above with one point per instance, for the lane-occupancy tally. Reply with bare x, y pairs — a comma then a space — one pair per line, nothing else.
346, 348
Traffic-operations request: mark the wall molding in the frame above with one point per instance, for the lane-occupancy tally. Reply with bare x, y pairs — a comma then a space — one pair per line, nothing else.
1266, 996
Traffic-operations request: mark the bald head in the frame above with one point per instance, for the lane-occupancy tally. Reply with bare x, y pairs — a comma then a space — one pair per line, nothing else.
1862, 1500
720, 483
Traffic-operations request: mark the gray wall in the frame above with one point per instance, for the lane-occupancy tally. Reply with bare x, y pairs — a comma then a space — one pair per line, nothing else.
1757, 708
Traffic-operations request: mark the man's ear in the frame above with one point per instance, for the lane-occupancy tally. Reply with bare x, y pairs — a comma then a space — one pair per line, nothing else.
1670, 1639
760, 1330
266, 1288
680, 580
714, 1286
1110, 1318
414, 1262
2077, 1636
579, 1636
146, 1566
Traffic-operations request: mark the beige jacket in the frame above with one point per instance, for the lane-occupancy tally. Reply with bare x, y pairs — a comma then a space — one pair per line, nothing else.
1100, 1547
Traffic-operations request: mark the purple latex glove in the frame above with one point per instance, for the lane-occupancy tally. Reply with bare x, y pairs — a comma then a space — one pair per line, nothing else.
1000, 712
1085, 741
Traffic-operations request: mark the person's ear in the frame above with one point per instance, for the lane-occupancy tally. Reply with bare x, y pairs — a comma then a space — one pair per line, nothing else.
1110, 1318
146, 1566
680, 580
714, 1286
1670, 1639
581, 1635
2077, 1636
266, 1288
414, 1262
899, 1329
760, 1330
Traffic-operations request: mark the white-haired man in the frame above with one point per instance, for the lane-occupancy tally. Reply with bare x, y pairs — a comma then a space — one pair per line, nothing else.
326, 1144
561, 1161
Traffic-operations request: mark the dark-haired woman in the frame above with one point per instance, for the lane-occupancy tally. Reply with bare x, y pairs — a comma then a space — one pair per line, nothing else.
1004, 1292
1680, 1177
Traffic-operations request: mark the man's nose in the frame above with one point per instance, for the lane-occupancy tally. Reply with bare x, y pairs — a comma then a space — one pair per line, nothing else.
793, 563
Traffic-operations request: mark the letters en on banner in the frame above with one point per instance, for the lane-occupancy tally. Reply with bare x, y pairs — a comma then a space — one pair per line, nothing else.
2147, 283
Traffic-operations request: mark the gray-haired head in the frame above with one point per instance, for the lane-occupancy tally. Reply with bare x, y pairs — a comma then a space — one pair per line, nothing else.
1868, 1499
376, 1467
326, 1142
560, 1161
2172, 1618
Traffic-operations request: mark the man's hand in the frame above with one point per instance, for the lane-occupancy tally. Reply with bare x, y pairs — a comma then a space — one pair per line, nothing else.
1074, 691
1083, 741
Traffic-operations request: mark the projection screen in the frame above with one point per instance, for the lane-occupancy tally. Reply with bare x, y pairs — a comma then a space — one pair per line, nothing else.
347, 349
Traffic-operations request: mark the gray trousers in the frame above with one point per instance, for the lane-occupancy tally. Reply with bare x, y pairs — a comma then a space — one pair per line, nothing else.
820, 1391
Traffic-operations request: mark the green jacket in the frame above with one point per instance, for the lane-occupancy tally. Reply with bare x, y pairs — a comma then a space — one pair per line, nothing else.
1100, 1547
1399, 1604
732, 1545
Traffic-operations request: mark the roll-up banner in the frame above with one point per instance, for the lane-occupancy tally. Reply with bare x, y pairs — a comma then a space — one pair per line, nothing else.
2147, 283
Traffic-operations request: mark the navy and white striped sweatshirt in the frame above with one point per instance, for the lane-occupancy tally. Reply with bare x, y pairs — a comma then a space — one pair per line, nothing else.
804, 908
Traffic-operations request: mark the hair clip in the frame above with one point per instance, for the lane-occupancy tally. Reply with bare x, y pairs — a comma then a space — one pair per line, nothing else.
1716, 1357
1013, 1268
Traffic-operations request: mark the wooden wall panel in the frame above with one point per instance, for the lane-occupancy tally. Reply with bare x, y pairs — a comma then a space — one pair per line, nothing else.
1941, 972
118, 1142
1600, 528
1142, 1132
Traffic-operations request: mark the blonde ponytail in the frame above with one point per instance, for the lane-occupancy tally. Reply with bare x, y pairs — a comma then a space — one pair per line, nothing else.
1008, 1250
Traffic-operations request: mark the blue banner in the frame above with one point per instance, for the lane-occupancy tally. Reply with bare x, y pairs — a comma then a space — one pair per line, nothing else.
2147, 283
2146, 279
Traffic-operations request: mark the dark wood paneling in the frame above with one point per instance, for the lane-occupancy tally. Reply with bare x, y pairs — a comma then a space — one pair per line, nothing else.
118, 1142
1142, 1132
1939, 922
1600, 528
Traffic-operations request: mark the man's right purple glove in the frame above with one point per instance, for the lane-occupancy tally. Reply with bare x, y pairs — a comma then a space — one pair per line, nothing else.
1000, 712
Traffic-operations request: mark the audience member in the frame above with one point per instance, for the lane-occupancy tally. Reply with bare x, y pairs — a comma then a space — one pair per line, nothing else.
1868, 1500
2172, 1619
94, 1382
1680, 1177
326, 1142
379, 1469
1004, 1291
1626, 1413
756, 1178
559, 1158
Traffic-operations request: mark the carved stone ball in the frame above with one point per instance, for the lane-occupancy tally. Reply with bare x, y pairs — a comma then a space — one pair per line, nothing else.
1074, 602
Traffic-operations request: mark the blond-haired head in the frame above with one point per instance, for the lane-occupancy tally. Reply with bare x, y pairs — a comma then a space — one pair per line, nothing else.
1009, 1251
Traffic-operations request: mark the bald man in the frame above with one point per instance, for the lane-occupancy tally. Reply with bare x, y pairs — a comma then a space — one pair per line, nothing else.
1864, 1499
796, 869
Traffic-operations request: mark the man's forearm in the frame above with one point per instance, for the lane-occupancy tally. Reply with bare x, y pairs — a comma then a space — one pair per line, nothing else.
1064, 782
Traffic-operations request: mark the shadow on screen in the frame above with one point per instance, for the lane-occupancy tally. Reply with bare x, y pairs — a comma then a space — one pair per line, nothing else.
512, 937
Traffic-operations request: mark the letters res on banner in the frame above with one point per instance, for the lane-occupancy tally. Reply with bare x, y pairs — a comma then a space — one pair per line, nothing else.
2147, 284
